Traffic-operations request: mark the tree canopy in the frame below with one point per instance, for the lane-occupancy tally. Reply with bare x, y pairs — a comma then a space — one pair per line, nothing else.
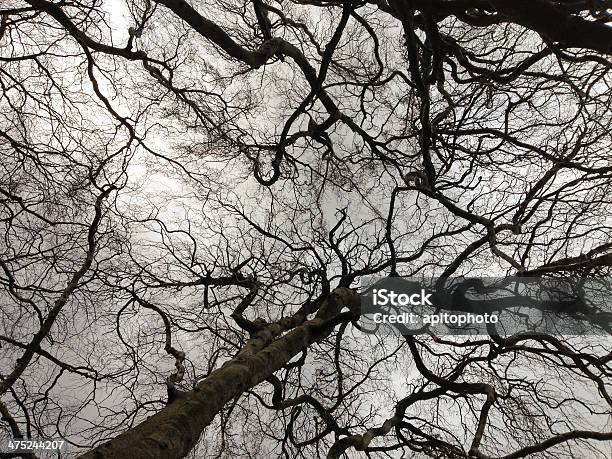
193, 191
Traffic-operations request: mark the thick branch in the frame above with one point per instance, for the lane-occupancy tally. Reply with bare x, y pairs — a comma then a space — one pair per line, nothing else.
553, 23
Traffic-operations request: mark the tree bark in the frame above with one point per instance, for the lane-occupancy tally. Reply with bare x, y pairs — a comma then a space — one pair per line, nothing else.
175, 430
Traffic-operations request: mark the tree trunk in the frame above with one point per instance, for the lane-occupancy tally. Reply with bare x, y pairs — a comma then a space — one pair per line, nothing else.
175, 430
